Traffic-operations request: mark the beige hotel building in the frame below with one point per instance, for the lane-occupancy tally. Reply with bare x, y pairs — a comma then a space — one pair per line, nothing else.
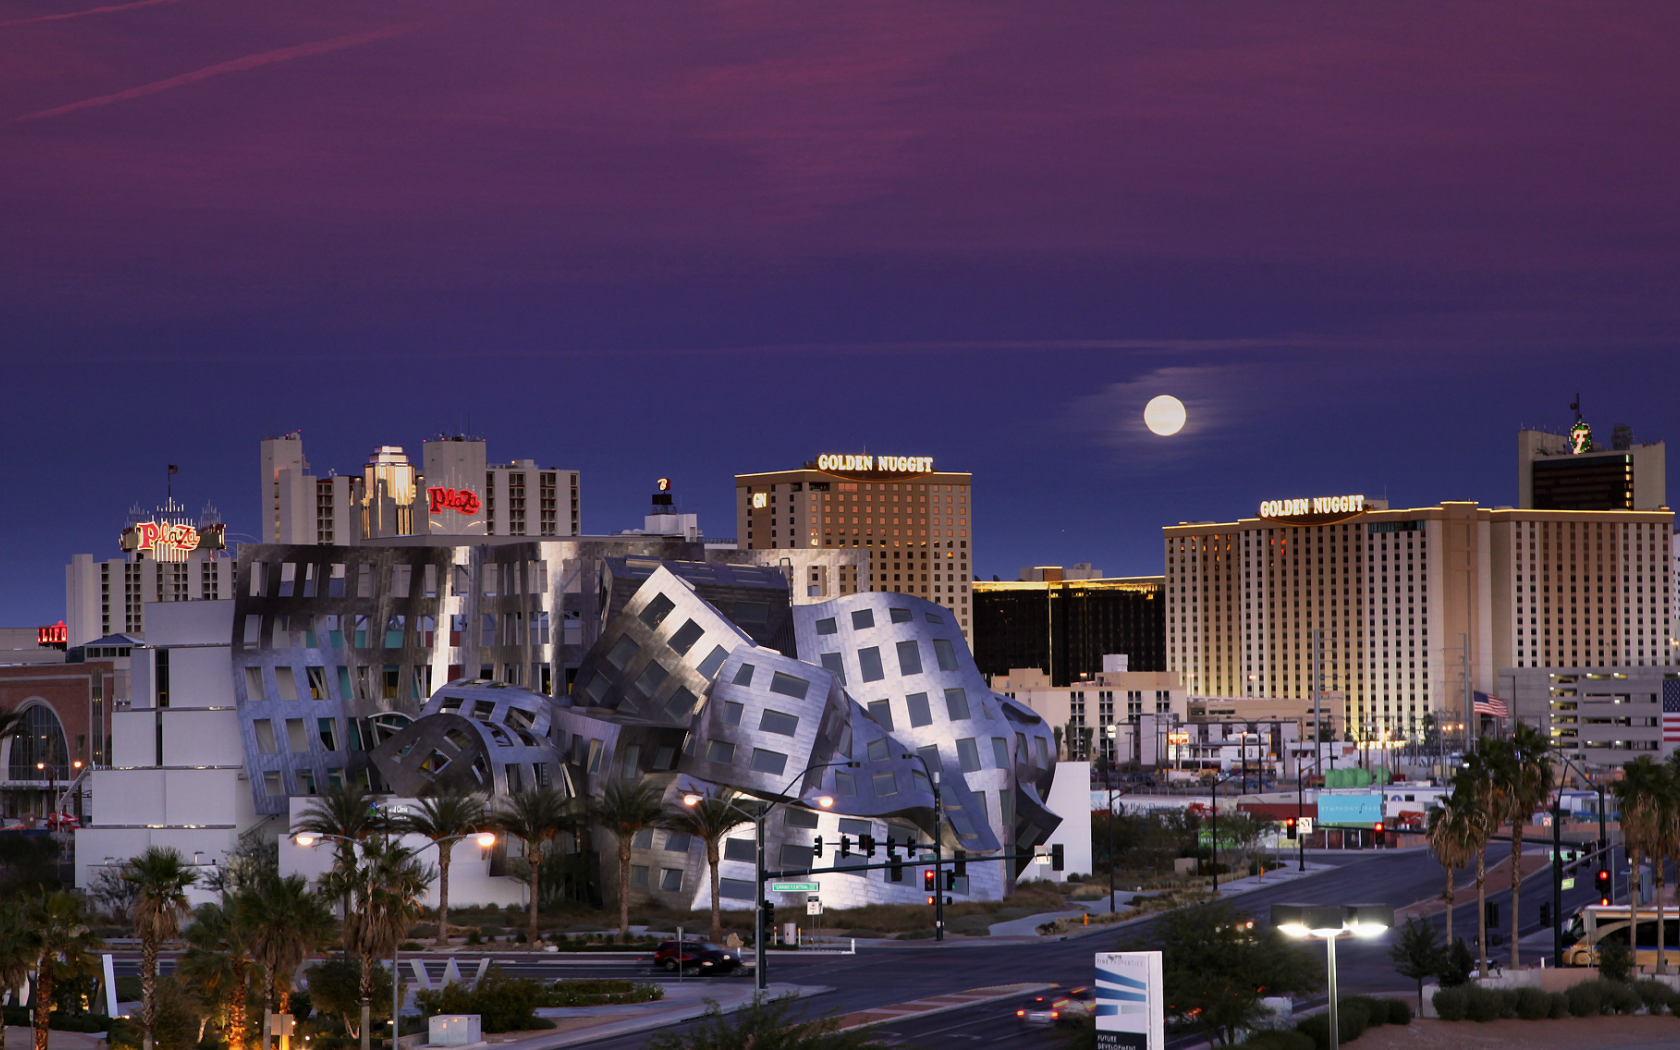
1396, 597
914, 522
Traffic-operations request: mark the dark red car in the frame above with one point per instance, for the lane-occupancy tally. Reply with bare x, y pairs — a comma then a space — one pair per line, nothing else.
701, 956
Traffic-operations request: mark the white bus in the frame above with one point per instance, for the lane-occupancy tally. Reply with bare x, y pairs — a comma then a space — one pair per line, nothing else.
1601, 922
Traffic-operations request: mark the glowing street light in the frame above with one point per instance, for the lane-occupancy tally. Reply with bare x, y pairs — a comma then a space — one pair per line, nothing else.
1329, 922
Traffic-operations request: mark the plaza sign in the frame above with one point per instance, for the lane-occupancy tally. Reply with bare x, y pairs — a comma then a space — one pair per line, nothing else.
462, 501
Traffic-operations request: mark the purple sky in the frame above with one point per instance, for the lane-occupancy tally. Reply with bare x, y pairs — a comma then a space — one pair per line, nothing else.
1364, 242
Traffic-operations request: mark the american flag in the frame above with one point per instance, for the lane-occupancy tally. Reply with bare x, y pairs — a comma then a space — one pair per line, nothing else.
1492, 705
1671, 710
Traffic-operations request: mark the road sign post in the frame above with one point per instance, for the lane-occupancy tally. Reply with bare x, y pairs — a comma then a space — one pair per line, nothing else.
813, 905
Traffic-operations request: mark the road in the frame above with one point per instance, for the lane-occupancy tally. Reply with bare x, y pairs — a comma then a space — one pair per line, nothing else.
887, 974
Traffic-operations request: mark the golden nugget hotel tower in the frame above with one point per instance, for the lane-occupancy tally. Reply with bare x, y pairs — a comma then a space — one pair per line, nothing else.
915, 522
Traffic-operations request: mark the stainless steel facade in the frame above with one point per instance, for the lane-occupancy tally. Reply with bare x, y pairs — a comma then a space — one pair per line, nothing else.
699, 675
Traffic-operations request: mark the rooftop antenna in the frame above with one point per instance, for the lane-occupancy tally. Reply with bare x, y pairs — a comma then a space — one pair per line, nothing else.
1576, 406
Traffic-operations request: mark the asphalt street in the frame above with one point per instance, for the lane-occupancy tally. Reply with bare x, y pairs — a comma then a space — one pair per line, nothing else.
885, 974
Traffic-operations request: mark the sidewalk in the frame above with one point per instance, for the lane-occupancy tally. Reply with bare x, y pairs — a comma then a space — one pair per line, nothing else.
1498, 878
20, 1037
683, 1001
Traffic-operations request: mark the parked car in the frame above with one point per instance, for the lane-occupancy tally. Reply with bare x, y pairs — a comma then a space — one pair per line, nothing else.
1058, 1006
703, 956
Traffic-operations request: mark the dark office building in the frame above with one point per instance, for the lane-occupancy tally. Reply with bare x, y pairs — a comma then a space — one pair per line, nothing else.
1065, 627
1573, 472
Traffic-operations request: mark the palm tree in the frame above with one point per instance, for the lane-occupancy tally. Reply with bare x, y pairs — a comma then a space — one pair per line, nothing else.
711, 820
61, 946
161, 877
221, 958
533, 817
443, 816
1474, 783
1641, 797
1526, 779
1452, 838
386, 883
351, 813
16, 957
287, 921
624, 810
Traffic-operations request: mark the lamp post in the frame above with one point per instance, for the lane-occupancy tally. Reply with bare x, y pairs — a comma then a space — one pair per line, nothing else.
1330, 922
760, 976
1213, 792
485, 840
1557, 851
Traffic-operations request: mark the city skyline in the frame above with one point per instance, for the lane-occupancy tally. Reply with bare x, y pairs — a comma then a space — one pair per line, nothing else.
1362, 249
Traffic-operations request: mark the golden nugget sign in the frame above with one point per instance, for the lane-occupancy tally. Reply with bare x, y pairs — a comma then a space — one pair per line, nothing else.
1306, 508
889, 464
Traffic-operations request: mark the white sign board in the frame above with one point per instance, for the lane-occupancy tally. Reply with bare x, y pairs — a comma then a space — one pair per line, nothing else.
1304, 825
1130, 1002
813, 905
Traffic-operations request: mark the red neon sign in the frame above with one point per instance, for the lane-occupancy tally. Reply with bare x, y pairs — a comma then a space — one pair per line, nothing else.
464, 501
57, 634
167, 541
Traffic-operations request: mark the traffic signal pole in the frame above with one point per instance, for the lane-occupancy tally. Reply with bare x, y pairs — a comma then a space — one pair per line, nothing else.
760, 977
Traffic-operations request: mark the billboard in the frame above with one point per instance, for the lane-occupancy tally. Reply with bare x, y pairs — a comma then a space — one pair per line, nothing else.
1130, 1010
1360, 808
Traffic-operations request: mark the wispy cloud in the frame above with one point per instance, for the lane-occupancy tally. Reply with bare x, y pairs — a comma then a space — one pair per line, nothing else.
107, 9
267, 58
1218, 398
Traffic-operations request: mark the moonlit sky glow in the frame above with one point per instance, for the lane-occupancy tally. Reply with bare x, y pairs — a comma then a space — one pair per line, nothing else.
1362, 243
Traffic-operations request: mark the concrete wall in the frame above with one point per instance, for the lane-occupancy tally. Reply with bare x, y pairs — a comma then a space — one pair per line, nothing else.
1070, 798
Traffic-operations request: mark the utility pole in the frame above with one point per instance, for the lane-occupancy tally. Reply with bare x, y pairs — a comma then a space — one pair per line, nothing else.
1318, 716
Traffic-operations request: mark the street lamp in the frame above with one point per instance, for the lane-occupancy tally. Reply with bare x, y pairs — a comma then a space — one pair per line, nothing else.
1330, 922
484, 840
692, 798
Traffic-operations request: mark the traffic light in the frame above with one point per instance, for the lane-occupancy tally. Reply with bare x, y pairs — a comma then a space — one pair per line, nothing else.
892, 847
959, 867
1381, 835
769, 915
895, 873
845, 845
1545, 913
950, 881
1490, 913
1602, 881
1289, 829
866, 845
928, 881
816, 851
1056, 856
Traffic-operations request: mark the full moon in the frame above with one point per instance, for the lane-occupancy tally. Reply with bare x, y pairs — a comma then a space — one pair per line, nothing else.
1164, 415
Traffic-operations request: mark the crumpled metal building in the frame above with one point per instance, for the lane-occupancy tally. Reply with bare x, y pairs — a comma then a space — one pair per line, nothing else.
706, 678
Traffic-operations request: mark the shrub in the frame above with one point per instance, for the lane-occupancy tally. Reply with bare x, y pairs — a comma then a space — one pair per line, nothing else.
1559, 1005
1450, 1003
1279, 1040
1488, 1004
474, 936
1352, 1018
1533, 1004
411, 946
1586, 999
1615, 960
504, 1004
1460, 962
1398, 1011
1622, 998
1655, 994
1376, 1010
602, 993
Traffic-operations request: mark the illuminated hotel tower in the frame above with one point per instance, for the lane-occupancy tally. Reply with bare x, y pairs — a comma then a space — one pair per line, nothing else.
913, 521
1396, 597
